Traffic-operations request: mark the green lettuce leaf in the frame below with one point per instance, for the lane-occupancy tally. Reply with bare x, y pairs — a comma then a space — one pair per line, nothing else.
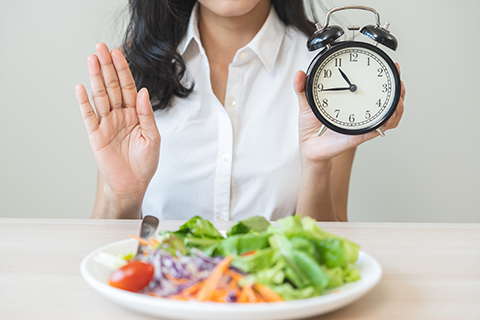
200, 228
261, 260
335, 276
172, 243
269, 277
288, 292
304, 270
313, 231
241, 243
291, 226
331, 252
351, 274
303, 244
252, 224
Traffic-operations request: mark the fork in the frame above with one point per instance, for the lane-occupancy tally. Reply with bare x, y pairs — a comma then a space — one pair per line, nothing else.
147, 230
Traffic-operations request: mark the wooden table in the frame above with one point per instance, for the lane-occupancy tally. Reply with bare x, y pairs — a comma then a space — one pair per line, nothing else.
431, 271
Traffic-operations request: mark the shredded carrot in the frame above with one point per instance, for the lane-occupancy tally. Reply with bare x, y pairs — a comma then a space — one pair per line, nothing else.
155, 241
260, 298
248, 253
242, 298
223, 282
178, 297
206, 291
219, 295
251, 297
193, 288
142, 241
235, 275
235, 293
153, 294
267, 293
175, 280
233, 286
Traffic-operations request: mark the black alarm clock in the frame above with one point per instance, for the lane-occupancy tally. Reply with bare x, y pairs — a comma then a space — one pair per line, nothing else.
352, 87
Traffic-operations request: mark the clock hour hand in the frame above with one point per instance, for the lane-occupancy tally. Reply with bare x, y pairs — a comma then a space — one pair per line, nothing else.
345, 76
352, 87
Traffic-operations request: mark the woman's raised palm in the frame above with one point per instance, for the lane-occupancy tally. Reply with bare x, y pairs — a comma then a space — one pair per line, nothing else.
122, 132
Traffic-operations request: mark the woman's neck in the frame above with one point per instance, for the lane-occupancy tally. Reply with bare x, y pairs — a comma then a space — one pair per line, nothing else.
222, 36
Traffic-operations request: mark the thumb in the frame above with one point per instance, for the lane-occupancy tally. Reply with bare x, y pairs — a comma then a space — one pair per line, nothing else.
308, 122
299, 87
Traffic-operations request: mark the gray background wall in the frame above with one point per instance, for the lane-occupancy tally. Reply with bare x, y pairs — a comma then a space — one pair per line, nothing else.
428, 169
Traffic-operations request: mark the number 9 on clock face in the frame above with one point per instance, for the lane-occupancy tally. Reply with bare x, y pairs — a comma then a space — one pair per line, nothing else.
353, 87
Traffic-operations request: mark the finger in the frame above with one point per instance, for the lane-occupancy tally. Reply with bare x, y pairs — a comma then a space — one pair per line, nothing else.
89, 116
394, 120
146, 116
400, 108
99, 93
398, 114
370, 135
403, 92
127, 84
110, 76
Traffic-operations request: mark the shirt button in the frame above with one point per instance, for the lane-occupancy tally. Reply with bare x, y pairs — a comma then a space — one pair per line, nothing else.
225, 158
243, 55
232, 102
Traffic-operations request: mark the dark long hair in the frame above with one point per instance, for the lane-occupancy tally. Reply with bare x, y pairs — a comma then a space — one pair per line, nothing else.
154, 32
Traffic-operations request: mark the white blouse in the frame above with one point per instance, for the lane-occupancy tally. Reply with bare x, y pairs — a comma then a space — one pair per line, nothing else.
242, 159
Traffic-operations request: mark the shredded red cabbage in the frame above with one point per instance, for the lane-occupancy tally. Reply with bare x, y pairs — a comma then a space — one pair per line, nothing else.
189, 268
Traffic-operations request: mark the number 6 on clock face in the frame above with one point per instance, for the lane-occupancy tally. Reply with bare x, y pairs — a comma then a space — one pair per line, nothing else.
353, 87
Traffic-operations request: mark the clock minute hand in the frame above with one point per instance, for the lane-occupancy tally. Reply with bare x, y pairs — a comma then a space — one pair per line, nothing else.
337, 89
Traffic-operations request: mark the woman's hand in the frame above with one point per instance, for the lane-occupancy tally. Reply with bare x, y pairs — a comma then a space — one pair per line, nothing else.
314, 149
327, 160
122, 132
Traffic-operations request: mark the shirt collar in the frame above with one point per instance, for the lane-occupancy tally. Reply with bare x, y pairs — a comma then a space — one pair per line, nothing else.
192, 31
266, 43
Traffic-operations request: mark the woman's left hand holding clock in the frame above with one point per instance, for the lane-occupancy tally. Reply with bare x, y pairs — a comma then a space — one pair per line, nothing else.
325, 159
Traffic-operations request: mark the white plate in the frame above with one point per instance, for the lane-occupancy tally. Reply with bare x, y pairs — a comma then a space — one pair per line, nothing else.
96, 275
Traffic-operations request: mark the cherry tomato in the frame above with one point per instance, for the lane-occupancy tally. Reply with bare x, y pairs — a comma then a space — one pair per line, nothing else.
133, 276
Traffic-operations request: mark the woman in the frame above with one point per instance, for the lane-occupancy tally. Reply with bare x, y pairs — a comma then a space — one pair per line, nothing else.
236, 139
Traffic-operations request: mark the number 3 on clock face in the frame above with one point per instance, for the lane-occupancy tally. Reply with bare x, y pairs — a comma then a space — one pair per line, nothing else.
353, 87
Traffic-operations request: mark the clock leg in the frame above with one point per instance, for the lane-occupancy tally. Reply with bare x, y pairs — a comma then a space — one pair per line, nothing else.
322, 130
380, 131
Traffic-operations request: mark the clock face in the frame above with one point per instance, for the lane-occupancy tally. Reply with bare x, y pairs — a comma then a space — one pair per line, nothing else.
353, 87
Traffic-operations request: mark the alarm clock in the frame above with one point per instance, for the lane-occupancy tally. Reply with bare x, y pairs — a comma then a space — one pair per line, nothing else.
352, 87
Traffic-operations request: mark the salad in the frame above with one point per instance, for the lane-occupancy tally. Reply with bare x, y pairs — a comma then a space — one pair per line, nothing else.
255, 262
